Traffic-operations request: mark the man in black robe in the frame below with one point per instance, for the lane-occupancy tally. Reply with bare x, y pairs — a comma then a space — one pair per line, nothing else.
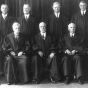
17, 49
5, 25
1, 64
27, 22
44, 49
6, 21
71, 46
81, 21
57, 22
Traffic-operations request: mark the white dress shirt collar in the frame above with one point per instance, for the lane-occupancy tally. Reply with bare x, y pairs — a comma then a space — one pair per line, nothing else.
26, 16
72, 34
43, 34
4, 16
83, 12
57, 14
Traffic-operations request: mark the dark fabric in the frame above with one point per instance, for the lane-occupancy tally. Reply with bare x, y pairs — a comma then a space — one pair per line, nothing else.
14, 64
72, 43
46, 47
81, 25
37, 66
6, 25
54, 67
28, 27
57, 27
72, 65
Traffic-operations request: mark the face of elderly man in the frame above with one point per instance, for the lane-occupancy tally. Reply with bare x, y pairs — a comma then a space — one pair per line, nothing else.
42, 27
26, 9
4, 9
16, 28
56, 7
71, 28
82, 6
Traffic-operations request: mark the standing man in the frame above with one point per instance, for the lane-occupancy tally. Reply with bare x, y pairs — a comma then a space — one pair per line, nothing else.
44, 51
81, 21
27, 22
57, 22
17, 52
71, 45
6, 21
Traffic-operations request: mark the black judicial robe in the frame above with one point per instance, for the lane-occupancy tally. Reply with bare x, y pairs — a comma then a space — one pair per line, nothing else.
46, 46
81, 25
15, 65
28, 27
72, 43
6, 25
57, 27
1, 61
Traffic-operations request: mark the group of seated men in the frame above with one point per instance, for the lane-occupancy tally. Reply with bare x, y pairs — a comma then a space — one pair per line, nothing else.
21, 53
54, 49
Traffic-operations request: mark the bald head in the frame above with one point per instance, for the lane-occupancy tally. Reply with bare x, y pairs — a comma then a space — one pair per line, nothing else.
71, 28
42, 27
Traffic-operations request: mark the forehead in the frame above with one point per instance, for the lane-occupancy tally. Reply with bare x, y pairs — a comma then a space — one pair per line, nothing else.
16, 25
82, 3
71, 25
56, 5
26, 6
42, 24
4, 6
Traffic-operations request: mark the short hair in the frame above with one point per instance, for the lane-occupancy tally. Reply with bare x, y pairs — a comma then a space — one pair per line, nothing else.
4, 5
58, 3
42, 23
82, 2
72, 24
15, 23
27, 5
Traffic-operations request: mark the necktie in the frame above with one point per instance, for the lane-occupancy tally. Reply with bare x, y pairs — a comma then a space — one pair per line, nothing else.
57, 15
83, 13
26, 17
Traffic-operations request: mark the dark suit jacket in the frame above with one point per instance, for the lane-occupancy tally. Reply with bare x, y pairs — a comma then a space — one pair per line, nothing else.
46, 46
11, 44
6, 25
71, 43
81, 25
57, 26
28, 27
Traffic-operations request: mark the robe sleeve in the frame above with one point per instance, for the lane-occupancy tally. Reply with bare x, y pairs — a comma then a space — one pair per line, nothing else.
61, 45
79, 44
6, 46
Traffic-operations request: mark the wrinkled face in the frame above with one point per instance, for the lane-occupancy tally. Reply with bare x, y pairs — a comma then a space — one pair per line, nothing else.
82, 6
42, 27
56, 8
72, 28
16, 29
26, 9
4, 9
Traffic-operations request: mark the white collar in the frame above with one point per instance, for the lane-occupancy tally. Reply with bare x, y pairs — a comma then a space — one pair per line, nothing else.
72, 34
43, 34
4, 15
26, 15
83, 12
57, 14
